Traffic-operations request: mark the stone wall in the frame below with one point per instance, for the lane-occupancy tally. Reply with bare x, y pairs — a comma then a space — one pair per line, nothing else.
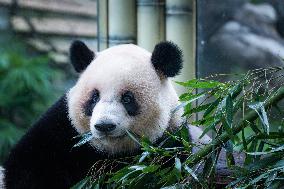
48, 25
248, 37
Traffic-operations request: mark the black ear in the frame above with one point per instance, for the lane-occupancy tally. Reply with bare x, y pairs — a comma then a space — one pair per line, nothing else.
167, 58
80, 55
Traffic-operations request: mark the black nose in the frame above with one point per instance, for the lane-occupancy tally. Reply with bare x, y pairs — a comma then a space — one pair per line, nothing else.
105, 127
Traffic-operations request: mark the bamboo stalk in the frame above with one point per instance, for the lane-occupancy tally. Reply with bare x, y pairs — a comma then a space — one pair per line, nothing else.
150, 23
102, 10
224, 137
121, 22
180, 28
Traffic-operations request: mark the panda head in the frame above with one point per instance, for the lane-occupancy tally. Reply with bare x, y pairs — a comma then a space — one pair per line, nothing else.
124, 88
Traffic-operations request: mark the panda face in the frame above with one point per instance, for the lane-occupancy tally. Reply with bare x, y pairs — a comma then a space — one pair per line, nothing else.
120, 90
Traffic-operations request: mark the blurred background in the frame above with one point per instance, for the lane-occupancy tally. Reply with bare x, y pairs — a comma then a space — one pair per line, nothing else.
217, 36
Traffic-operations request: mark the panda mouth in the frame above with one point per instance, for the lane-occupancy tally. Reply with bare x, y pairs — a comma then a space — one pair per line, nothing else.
116, 136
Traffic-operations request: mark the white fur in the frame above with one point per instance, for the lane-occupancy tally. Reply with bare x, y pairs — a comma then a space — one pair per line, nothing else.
1, 178
112, 72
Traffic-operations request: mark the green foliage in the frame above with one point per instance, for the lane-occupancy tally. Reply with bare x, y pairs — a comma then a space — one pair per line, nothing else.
25, 91
244, 115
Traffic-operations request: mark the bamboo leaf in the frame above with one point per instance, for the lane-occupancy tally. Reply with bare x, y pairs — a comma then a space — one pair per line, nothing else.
244, 140
179, 107
188, 97
254, 127
178, 164
208, 128
151, 168
211, 107
133, 137
199, 108
227, 128
271, 177
281, 148
184, 133
200, 84
143, 157
137, 167
187, 109
229, 111
191, 172
258, 107
85, 139
83, 184
229, 154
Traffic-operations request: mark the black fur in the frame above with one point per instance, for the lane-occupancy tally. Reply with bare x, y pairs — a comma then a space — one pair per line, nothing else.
80, 55
44, 157
167, 58
130, 104
91, 103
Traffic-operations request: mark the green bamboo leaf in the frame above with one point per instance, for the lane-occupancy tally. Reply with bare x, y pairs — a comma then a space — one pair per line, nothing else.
261, 146
191, 172
83, 135
208, 128
211, 107
238, 105
171, 177
144, 156
178, 164
119, 174
184, 96
229, 111
85, 139
244, 141
265, 119
188, 97
125, 176
187, 109
254, 127
200, 84
199, 108
236, 90
83, 184
209, 166
229, 154
179, 107
281, 148
221, 107
133, 137
151, 168
227, 128
205, 121
258, 178
265, 164
184, 133
279, 163
137, 167
258, 107
271, 177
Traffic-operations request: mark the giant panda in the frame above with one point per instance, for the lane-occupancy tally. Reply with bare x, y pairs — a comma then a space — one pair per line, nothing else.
121, 88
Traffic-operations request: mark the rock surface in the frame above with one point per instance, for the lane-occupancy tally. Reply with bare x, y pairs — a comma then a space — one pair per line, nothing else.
249, 40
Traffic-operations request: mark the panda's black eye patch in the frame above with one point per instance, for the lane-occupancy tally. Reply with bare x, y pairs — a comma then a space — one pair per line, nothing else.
129, 103
92, 101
